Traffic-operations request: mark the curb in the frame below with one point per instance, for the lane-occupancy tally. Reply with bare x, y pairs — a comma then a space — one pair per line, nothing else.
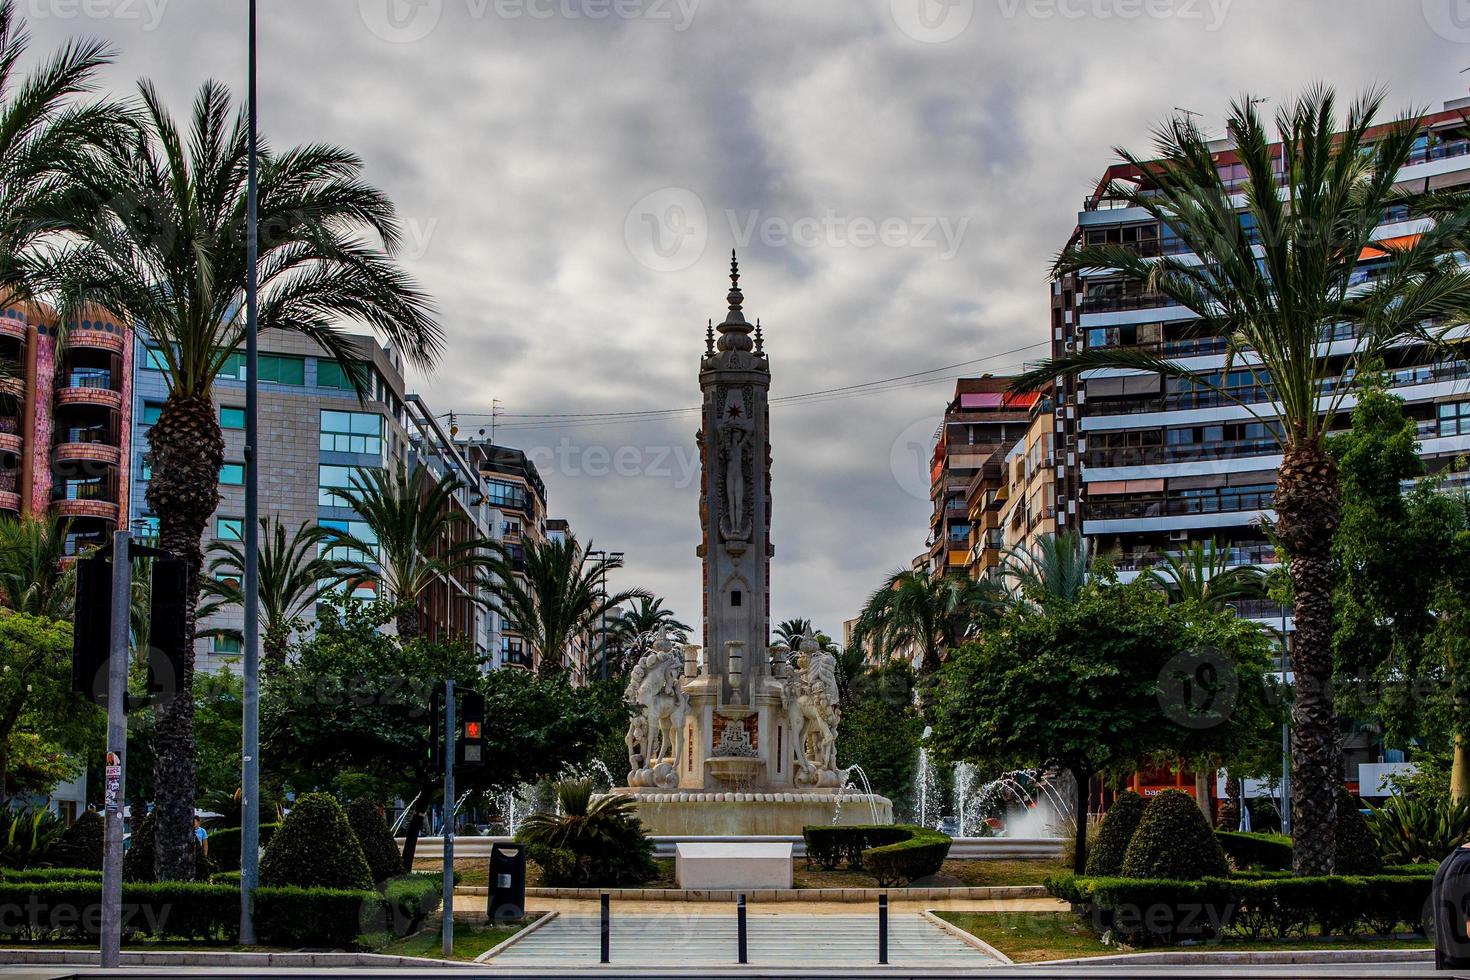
1255, 957
510, 941
977, 893
967, 937
205, 958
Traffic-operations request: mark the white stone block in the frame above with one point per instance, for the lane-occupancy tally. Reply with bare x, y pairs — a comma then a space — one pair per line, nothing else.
732, 865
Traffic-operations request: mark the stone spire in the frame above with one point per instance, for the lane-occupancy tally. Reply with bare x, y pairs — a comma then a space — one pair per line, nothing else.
709, 338
760, 341
735, 331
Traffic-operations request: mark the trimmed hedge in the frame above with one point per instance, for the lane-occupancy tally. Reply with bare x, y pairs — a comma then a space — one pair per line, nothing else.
315, 848
224, 845
46, 875
1174, 841
316, 916
378, 846
1252, 850
893, 853
1105, 857
412, 898
1144, 912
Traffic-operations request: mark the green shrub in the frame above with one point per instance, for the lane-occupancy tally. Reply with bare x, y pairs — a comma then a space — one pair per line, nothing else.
294, 917
411, 899
1174, 841
315, 848
892, 853
1252, 850
1355, 850
1105, 855
81, 843
44, 875
378, 846
138, 859
591, 842
1410, 831
224, 845
29, 837
33, 912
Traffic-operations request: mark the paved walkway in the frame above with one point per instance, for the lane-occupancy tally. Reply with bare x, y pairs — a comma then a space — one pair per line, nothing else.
691, 935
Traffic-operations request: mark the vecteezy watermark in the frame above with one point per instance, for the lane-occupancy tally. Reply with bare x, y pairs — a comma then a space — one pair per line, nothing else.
150, 12
910, 457
406, 21
932, 21
937, 21
1198, 689
678, 465
668, 230
1450, 19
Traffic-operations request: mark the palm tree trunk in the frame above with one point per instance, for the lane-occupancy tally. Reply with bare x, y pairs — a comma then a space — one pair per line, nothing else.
1308, 509
411, 838
274, 646
548, 666
408, 622
1079, 841
1460, 770
188, 452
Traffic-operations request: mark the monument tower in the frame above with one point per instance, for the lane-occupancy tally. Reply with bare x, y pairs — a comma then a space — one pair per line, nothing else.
742, 739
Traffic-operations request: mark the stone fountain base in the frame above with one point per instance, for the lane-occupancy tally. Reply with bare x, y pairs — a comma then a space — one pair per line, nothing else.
694, 813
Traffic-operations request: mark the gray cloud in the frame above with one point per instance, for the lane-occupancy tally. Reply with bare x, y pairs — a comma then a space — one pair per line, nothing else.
516, 145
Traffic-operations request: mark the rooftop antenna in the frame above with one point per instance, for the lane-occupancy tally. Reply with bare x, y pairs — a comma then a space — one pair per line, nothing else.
494, 417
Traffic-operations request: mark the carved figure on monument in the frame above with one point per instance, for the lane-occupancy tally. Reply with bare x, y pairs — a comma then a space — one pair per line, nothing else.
655, 736
809, 698
735, 429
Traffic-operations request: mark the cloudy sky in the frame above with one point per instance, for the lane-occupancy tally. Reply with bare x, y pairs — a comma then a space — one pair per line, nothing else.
896, 174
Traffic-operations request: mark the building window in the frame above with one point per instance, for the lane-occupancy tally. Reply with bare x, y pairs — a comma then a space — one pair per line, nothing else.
146, 528
513, 651
503, 494
330, 479
151, 412
147, 468
352, 432
227, 644
232, 474
360, 530
736, 598
329, 374
154, 360
1454, 419
231, 418
229, 528
280, 369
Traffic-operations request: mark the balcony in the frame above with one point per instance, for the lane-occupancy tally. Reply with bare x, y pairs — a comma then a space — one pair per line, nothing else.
86, 452
89, 392
1103, 509
102, 510
10, 491
11, 442
1188, 453
1110, 303
13, 328
95, 339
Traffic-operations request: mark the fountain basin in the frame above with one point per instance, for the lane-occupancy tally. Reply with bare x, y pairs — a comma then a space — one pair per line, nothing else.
734, 770
689, 813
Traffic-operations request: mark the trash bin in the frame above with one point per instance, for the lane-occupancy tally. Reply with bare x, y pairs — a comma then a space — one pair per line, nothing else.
507, 882
1449, 897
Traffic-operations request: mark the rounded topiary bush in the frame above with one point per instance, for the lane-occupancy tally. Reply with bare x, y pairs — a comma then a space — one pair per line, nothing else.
1355, 849
138, 859
378, 846
315, 848
1174, 840
1118, 825
81, 844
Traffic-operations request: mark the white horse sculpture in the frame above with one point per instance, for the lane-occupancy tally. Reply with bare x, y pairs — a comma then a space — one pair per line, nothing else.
656, 692
809, 698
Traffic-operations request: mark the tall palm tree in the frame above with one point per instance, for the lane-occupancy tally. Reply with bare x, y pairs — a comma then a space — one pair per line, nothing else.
1052, 570
790, 631
33, 576
648, 615
916, 612
552, 596
421, 538
157, 235
294, 572
1272, 275
42, 130
1202, 573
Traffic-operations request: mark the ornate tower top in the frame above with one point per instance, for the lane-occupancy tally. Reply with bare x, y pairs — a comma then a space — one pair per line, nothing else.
735, 331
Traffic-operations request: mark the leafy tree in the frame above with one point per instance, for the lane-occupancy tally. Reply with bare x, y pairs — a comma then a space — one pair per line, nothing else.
552, 596
881, 729
294, 573
33, 575
218, 699
1093, 686
420, 536
155, 232
41, 720
1054, 569
648, 615
914, 612
315, 847
1270, 276
1202, 573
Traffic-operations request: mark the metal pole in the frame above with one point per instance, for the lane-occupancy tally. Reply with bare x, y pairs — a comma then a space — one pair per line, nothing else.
883, 928
606, 929
115, 774
448, 833
1285, 739
604, 619
740, 916
250, 722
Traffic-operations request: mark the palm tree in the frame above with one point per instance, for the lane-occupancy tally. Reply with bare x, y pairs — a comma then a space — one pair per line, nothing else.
1202, 573
649, 615
1272, 275
552, 596
916, 612
1053, 570
421, 538
42, 130
294, 572
157, 235
33, 576
790, 631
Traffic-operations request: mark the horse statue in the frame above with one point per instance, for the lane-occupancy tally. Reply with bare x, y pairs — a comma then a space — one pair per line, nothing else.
809, 697
655, 736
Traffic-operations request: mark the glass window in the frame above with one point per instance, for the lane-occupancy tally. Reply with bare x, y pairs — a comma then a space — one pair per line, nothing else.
360, 530
231, 418
146, 528
147, 469
352, 432
151, 412
229, 529
331, 478
227, 644
154, 361
503, 494
329, 374
1454, 419
232, 474
281, 369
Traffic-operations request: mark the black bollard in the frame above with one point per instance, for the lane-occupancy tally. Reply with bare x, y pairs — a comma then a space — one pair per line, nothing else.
740, 915
883, 929
606, 929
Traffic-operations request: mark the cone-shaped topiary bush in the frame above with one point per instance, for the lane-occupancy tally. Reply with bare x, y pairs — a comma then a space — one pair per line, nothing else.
1356, 851
1174, 840
81, 844
1105, 859
315, 848
378, 846
138, 859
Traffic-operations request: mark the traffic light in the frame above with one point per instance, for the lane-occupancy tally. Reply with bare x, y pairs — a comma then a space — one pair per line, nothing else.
469, 747
91, 636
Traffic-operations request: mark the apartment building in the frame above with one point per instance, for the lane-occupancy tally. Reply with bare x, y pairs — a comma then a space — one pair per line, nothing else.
65, 421
1160, 463
1029, 505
